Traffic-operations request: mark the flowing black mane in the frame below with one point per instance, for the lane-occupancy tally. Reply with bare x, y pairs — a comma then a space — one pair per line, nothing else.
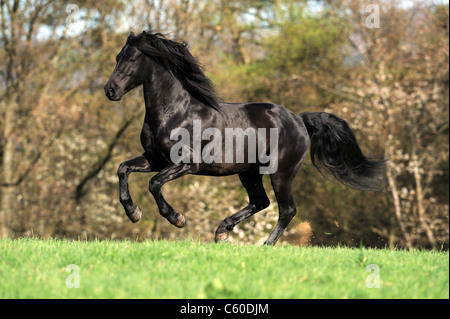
175, 56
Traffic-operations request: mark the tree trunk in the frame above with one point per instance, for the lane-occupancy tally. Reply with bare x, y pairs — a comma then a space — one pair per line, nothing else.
397, 206
8, 168
420, 205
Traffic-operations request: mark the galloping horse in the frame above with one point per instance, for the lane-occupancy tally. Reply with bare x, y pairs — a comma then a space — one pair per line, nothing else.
178, 96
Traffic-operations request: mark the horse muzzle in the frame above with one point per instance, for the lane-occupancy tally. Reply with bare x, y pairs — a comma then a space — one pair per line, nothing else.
111, 93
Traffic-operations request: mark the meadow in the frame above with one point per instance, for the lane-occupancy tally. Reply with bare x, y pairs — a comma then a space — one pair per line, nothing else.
34, 268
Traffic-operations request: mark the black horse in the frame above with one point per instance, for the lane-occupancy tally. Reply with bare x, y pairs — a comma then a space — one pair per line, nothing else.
178, 95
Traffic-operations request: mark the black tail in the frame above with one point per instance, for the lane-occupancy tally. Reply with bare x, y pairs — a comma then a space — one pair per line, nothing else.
334, 148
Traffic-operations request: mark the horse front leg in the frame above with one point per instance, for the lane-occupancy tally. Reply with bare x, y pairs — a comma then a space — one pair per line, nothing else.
156, 183
138, 164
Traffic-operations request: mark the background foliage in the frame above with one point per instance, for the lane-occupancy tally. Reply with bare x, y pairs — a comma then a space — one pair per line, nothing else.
61, 140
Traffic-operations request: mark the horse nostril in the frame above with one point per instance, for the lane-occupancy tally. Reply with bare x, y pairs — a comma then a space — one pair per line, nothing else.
112, 92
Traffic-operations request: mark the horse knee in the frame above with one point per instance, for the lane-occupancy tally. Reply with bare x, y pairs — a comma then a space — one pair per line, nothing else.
123, 171
154, 186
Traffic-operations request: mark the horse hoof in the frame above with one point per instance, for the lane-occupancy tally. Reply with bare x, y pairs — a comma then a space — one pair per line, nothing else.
136, 215
222, 237
181, 221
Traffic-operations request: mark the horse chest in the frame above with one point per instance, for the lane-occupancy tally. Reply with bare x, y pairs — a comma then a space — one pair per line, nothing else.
147, 138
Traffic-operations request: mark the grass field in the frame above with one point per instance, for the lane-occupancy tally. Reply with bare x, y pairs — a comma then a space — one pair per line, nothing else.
32, 268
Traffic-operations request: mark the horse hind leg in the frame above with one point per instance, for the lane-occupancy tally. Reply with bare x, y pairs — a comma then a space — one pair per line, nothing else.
282, 186
258, 201
287, 210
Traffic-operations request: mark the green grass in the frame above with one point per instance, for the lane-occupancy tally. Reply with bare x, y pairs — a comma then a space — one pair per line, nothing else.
32, 268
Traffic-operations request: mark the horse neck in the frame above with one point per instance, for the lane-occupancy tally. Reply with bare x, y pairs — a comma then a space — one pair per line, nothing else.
163, 92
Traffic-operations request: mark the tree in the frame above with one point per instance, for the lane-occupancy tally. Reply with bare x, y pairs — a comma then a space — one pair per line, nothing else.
403, 83
44, 77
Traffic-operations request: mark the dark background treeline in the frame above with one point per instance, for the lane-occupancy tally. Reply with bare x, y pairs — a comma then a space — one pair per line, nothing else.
384, 68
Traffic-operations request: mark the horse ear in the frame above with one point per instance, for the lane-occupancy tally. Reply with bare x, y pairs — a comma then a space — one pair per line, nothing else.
144, 35
132, 34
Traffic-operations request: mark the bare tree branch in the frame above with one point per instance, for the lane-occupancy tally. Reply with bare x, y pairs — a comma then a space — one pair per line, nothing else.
80, 189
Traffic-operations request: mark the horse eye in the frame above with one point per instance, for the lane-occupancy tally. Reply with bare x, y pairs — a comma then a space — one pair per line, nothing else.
132, 60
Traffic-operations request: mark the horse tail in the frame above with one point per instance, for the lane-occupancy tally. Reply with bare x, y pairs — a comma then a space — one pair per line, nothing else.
334, 148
